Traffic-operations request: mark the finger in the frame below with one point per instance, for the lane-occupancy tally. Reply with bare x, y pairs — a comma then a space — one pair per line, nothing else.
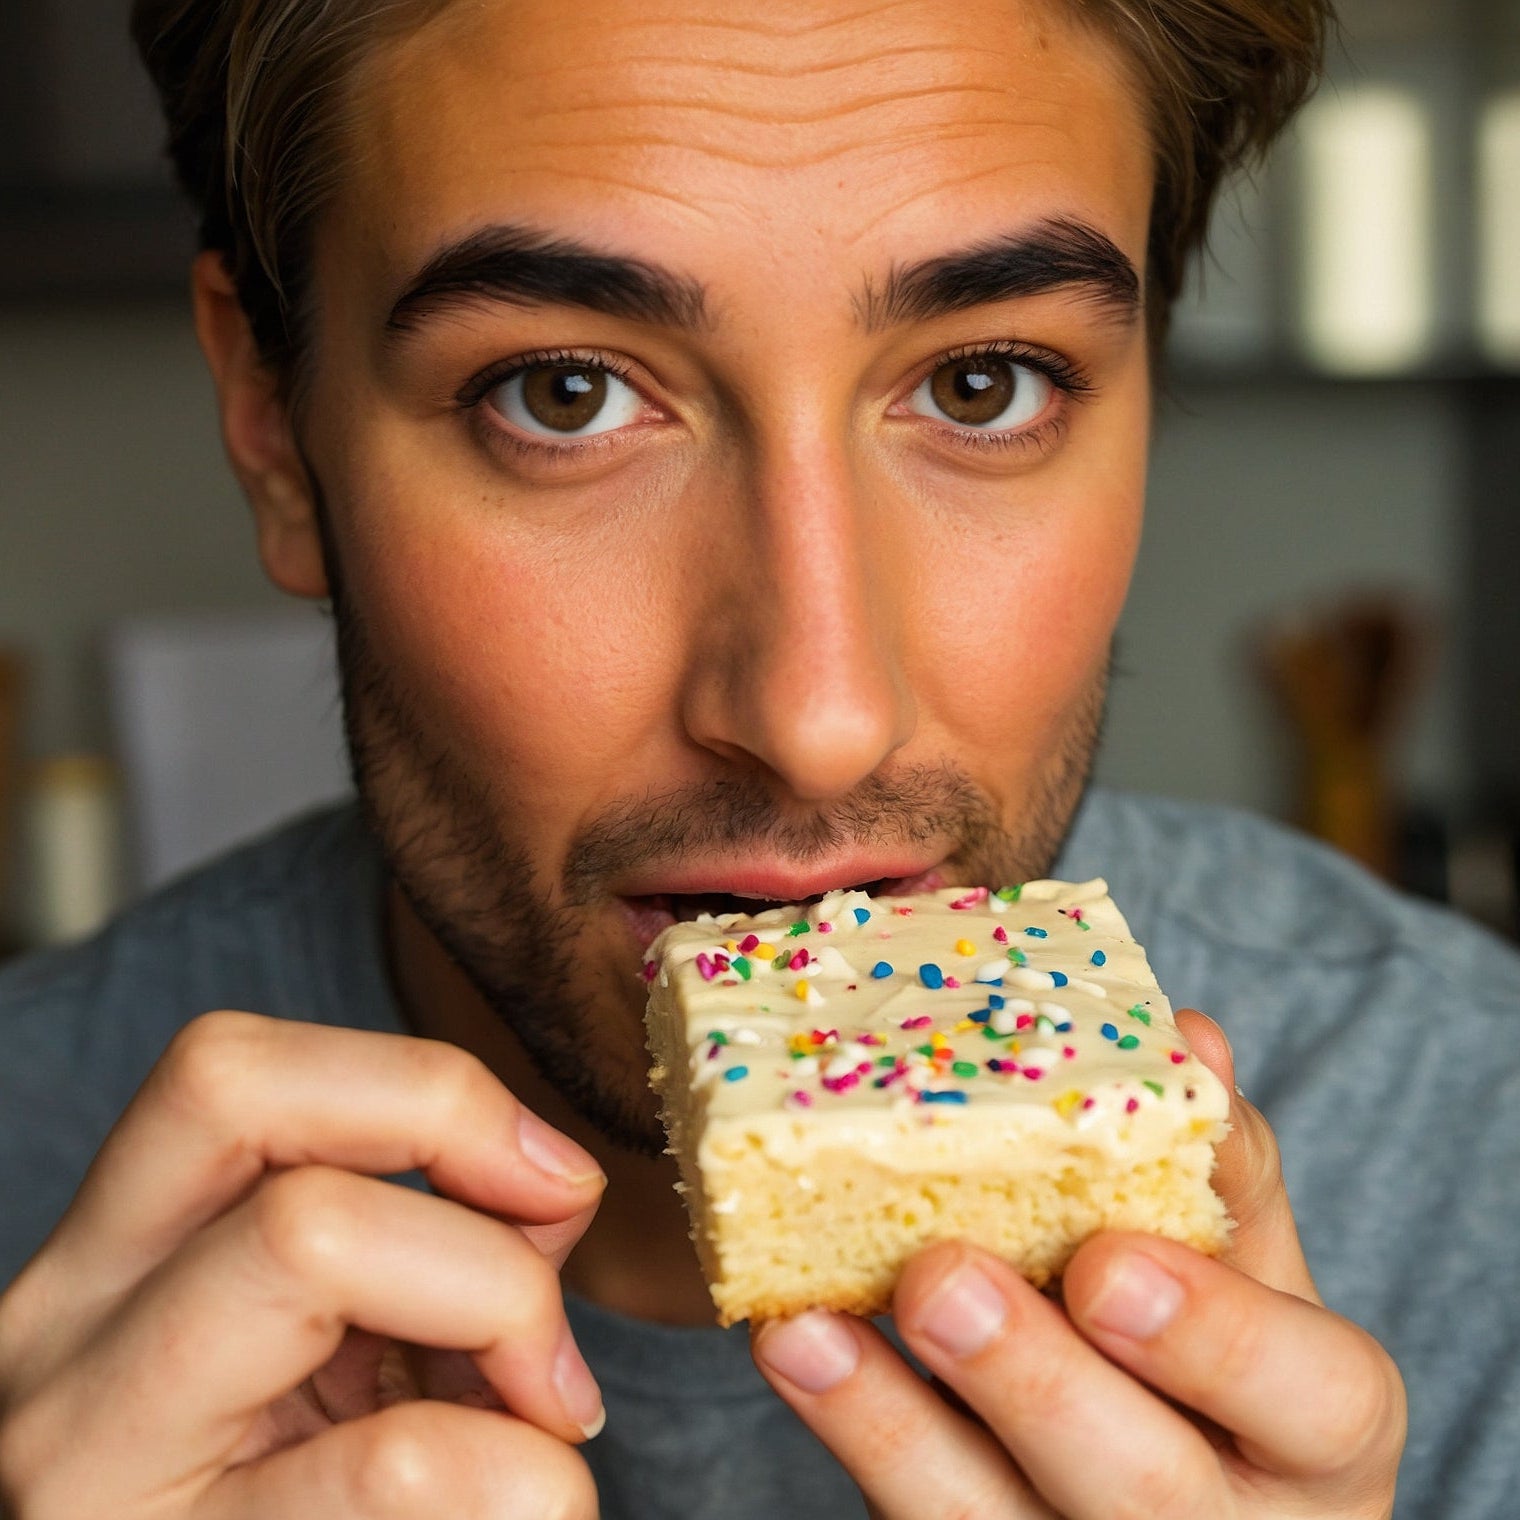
417, 1460
912, 1455
1304, 1392
1090, 1439
263, 1297
237, 1094
1248, 1175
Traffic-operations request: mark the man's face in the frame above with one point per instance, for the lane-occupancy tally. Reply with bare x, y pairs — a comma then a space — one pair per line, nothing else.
732, 429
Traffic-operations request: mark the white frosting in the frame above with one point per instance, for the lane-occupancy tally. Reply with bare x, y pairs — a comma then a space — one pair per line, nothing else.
903, 1068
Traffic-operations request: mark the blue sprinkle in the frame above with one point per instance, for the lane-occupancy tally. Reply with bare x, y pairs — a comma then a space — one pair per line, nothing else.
931, 976
736, 1074
1064, 1028
1059, 978
862, 915
1034, 933
994, 1001
980, 1016
881, 969
1098, 958
1109, 1032
942, 1097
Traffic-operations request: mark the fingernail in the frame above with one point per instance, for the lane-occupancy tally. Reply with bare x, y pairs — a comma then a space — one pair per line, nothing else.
554, 1153
577, 1388
1138, 1298
964, 1312
816, 1351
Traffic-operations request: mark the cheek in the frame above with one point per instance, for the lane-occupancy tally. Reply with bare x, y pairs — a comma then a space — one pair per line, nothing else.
1020, 624
533, 670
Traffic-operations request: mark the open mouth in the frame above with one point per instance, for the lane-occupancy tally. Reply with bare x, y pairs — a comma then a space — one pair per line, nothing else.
650, 915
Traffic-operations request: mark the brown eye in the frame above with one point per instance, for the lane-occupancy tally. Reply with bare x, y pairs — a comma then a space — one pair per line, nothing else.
984, 391
566, 400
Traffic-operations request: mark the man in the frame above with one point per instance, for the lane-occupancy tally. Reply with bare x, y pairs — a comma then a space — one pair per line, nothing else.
722, 436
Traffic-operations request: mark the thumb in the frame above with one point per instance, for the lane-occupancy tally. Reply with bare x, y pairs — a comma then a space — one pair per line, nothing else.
1248, 1176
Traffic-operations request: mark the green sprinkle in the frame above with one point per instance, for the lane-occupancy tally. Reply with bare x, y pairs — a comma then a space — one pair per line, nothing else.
1137, 1012
743, 967
717, 1037
989, 1033
799, 1055
924, 1050
1156, 1088
964, 1068
1129, 1042
886, 1060
1010, 894
800, 927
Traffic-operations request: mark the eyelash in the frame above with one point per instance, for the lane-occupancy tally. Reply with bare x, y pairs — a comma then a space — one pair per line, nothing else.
1071, 383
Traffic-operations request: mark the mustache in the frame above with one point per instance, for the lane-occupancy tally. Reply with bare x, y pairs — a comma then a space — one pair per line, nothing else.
911, 806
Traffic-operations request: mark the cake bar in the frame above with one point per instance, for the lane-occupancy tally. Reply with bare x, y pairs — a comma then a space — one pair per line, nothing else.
843, 1083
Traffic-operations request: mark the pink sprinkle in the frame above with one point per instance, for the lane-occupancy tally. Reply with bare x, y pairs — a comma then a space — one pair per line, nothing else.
1132, 1105
801, 1099
1033, 1073
729, 981
1178, 1057
842, 1084
1000, 934
951, 983
825, 928
721, 961
1025, 1020
975, 896
922, 1022
903, 912
865, 1068
705, 966
651, 971
712, 1051
872, 1039
825, 1036
1089, 1103
748, 943
800, 959
1069, 1051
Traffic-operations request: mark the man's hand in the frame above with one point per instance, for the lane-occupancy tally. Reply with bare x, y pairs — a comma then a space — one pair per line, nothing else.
226, 1323
1169, 1385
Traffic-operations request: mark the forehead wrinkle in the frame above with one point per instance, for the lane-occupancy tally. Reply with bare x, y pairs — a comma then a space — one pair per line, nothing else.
784, 118
776, 71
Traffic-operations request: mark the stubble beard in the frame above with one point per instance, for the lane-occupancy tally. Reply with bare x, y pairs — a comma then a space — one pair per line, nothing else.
449, 845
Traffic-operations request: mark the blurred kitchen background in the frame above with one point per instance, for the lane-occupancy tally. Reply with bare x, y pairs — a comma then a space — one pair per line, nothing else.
1325, 625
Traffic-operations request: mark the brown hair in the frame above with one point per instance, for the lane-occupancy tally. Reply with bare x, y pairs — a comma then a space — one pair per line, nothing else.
253, 94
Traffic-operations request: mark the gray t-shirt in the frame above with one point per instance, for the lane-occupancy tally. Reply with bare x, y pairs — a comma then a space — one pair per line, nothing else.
1380, 1036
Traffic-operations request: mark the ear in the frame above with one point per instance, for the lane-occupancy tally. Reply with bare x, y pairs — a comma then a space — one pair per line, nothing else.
258, 434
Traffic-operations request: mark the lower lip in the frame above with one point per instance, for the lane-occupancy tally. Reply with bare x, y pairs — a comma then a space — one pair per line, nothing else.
648, 921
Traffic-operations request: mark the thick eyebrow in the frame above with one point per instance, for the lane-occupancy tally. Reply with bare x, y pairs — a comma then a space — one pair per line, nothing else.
1053, 255
524, 267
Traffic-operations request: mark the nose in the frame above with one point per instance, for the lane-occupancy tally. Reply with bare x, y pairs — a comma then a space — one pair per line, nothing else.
797, 666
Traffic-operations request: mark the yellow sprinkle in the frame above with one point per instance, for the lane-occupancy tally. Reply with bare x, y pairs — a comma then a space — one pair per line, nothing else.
731, 945
938, 1040
964, 1025
1068, 1103
764, 952
800, 990
964, 947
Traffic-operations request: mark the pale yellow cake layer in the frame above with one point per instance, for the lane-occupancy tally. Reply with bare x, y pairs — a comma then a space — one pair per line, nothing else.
858, 1225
